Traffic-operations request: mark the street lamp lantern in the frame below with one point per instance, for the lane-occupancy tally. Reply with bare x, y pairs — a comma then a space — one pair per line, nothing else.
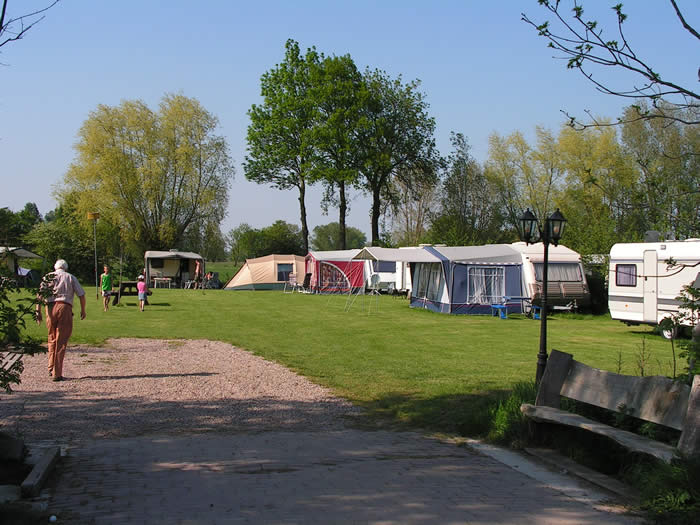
555, 227
528, 224
551, 233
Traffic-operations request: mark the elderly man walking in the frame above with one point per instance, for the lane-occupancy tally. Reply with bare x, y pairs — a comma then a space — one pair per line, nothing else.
59, 314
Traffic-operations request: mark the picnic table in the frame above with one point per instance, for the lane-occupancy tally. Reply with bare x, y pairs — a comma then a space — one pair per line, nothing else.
127, 288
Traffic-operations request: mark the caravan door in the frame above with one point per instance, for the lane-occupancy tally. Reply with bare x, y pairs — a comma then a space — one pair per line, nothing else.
650, 286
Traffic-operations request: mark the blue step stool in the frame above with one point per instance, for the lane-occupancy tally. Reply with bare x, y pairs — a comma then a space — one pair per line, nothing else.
536, 312
500, 310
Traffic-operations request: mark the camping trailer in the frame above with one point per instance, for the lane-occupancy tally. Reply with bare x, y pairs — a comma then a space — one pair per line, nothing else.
335, 271
643, 287
469, 279
175, 267
267, 273
566, 279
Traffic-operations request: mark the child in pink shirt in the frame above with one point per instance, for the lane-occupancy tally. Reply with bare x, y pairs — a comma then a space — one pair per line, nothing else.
142, 288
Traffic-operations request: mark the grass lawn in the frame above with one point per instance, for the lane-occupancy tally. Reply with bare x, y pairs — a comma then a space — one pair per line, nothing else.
226, 269
431, 370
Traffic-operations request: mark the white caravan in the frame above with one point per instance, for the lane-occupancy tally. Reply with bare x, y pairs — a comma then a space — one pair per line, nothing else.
643, 287
567, 287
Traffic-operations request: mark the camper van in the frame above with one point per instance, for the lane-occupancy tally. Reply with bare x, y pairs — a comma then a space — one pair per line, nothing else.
643, 287
566, 280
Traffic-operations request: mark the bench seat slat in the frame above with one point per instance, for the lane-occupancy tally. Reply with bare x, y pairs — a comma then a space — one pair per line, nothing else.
7, 359
653, 398
635, 442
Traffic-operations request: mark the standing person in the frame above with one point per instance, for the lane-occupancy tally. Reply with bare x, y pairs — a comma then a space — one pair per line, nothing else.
59, 313
106, 285
197, 273
142, 288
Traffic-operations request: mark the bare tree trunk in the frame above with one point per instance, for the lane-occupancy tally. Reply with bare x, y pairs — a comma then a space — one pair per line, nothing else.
302, 211
342, 210
376, 212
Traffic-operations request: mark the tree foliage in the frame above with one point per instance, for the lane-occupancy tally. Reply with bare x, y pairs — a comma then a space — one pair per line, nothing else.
588, 49
14, 226
280, 142
329, 237
338, 94
395, 141
469, 212
152, 174
322, 120
246, 242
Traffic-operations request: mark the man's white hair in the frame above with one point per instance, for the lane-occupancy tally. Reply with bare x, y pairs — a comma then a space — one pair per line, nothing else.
60, 265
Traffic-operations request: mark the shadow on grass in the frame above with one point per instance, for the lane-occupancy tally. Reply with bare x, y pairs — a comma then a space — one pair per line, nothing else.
463, 414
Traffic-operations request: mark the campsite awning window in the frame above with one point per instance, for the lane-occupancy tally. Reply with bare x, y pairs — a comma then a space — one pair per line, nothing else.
559, 272
283, 271
486, 285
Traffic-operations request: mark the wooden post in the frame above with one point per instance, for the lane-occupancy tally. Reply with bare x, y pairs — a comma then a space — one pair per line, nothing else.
689, 444
555, 373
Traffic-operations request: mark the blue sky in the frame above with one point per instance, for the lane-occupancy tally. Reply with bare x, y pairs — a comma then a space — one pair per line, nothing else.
483, 71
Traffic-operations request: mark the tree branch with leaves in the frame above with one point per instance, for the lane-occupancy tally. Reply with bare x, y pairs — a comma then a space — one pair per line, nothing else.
585, 46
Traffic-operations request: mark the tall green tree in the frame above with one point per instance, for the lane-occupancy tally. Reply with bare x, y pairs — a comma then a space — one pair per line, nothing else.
280, 134
470, 213
329, 237
599, 193
525, 177
395, 139
15, 225
338, 93
152, 174
666, 155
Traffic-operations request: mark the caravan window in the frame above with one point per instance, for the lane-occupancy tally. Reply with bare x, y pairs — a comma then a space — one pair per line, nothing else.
486, 285
156, 263
283, 271
626, 274
423, 276
384, 266
430, 281
435, 282
559, 272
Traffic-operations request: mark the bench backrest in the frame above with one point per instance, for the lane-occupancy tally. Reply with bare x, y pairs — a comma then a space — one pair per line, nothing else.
657, 399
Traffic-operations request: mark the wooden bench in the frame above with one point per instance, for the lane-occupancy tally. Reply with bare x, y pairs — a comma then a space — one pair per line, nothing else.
126, 289
656, 399
8, 361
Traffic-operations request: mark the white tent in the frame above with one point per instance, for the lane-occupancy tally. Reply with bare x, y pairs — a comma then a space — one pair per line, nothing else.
267, 273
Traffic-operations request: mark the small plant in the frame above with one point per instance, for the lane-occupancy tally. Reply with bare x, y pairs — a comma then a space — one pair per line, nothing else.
643, 356
508, 425
670, 493
14, 313
688, 315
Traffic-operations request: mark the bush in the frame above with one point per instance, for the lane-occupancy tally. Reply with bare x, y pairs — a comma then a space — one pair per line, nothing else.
508, 425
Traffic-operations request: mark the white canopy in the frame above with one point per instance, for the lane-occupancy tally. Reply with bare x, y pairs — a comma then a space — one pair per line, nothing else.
19, 252
172, 254
376, 253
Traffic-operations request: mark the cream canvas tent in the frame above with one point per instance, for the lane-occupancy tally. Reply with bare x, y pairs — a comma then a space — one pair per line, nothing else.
267, 273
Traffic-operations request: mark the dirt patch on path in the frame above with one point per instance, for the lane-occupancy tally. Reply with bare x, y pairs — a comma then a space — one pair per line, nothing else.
134, 387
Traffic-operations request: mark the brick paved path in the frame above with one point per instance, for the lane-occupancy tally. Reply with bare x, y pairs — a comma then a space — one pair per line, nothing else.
344, 476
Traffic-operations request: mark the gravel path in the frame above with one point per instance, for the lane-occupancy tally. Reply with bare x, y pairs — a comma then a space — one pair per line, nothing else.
134, 387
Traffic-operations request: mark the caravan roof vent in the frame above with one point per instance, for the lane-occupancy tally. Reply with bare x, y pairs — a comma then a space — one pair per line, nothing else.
652, 236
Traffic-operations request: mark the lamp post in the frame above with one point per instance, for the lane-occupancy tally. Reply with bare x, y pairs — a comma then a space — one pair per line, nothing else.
551, 233
93, 216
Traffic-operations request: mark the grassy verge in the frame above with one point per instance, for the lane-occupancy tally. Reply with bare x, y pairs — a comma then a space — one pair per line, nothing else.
441, 372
